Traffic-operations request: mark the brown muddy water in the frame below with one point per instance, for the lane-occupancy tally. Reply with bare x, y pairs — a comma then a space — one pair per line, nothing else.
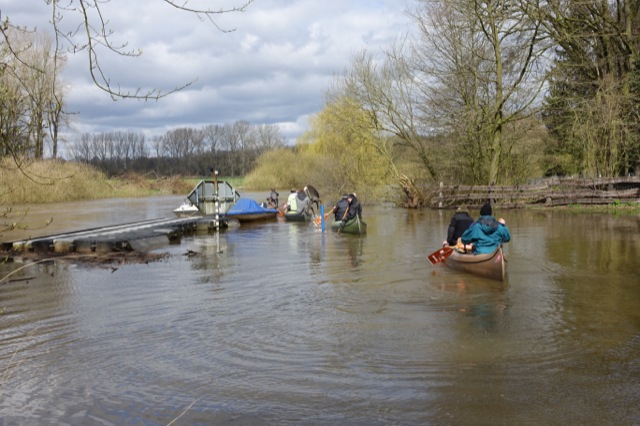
281, 324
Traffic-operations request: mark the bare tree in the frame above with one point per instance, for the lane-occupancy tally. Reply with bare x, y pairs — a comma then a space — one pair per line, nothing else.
57, 115
32, 97
81, 150
244, 137
13, 127
173, 144
483, 68
102, 147
158, 147
38, 86
232, 147
268, 137
213, 136
138, 145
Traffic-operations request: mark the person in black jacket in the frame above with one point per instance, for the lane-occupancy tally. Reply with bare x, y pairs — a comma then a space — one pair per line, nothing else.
355, 208
460, 221
339, 209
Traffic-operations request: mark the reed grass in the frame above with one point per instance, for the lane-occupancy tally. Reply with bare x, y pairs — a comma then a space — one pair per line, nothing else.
47, 181
31, 182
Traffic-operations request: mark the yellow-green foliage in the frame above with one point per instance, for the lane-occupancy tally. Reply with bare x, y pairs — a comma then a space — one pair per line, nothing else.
344, 130
286, 168
340, 153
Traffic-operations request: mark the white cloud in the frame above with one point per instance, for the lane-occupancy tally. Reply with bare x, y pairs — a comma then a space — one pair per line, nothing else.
273, 69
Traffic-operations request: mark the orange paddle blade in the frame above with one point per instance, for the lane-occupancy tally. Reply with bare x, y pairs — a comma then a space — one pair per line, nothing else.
440, 255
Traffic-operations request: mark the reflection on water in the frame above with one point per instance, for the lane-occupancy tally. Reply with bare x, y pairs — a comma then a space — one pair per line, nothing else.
280, 323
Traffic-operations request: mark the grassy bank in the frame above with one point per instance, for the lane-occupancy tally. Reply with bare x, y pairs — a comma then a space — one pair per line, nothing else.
630, 209
49, 181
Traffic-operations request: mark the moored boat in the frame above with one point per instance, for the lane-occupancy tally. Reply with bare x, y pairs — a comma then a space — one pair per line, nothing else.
248, 210
492, 265
187, 209
354, 226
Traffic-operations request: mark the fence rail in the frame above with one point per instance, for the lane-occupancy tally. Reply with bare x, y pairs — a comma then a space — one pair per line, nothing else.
550, 192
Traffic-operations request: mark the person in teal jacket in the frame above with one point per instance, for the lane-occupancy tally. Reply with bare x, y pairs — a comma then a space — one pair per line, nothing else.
486, 233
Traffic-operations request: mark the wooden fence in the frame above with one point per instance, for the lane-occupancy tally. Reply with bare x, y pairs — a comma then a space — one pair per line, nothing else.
548, 192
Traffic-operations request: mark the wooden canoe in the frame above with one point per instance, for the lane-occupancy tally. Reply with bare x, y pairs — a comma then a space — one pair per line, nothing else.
492, 265
354, 226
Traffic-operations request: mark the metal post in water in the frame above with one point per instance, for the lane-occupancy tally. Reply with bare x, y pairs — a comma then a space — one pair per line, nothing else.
215, 197
322, 216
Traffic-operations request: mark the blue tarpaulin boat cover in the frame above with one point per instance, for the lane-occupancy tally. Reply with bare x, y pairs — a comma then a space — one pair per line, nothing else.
248, 206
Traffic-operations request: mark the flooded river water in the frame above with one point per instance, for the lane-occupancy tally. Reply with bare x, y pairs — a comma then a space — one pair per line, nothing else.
279, 323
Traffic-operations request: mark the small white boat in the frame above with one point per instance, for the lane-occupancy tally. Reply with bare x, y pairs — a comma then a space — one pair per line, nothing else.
186, 210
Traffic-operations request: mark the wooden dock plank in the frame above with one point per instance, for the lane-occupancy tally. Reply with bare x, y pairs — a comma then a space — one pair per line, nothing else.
135, 236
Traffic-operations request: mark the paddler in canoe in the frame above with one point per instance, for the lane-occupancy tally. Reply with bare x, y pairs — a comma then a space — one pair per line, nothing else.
479, 250
487, 233
460, 222
348, 215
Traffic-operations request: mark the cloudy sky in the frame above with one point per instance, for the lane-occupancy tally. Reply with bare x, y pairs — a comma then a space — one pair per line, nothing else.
273, 69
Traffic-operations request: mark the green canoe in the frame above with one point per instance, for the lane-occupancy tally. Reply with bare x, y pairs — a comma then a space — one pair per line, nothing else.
354, 226
298, 216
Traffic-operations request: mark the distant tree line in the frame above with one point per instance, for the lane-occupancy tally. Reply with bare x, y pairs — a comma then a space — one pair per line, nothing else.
232, 149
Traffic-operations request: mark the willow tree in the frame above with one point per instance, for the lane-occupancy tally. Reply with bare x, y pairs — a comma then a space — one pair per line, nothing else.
481, 67
384, 89
342, 137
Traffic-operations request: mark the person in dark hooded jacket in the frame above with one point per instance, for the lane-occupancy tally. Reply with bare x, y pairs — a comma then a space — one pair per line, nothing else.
339, 209
486, 233
460, 222
355, 208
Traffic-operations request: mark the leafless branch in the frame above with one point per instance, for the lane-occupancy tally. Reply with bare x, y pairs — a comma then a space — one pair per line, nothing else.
98, 34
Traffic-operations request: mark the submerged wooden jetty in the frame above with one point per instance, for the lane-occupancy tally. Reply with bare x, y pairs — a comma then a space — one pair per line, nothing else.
138, 236
212, 197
